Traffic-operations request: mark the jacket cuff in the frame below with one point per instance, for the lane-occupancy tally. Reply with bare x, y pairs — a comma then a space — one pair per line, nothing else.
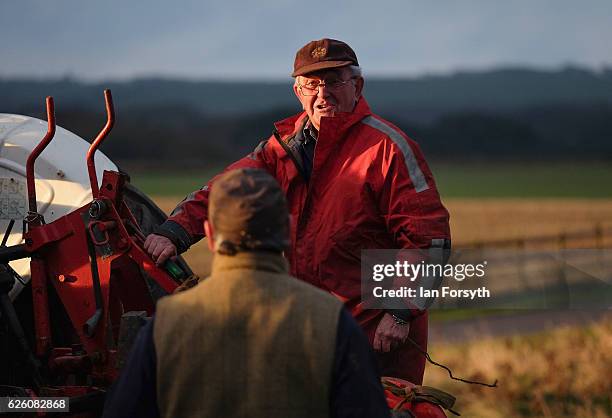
405, 314
175, 233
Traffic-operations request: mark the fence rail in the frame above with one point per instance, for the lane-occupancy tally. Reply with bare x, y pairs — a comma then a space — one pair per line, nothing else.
598, 237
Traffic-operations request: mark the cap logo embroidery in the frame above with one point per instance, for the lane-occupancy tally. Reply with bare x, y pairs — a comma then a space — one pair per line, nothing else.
318, 52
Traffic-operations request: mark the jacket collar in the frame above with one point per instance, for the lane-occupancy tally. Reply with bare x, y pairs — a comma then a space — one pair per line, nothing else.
250, 260
330, 127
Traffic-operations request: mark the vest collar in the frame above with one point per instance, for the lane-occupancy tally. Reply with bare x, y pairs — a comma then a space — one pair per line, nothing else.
250, 260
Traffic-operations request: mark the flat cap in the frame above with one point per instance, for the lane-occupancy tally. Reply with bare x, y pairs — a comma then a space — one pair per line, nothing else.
322, 54
248, 211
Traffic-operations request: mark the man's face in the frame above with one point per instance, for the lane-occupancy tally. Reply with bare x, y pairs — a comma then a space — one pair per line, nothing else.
328, 101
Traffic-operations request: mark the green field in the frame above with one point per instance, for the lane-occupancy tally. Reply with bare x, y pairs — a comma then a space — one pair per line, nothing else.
175, 183
570, 180
529, 180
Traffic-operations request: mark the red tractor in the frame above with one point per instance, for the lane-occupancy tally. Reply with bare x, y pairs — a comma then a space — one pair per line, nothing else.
91, 286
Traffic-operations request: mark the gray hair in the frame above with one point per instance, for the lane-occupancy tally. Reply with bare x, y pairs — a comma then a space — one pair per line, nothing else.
355, 71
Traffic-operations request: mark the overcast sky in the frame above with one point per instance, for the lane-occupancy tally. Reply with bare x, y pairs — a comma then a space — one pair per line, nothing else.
258, 39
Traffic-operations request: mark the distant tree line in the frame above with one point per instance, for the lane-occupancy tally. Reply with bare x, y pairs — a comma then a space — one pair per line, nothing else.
178, 135
511, 113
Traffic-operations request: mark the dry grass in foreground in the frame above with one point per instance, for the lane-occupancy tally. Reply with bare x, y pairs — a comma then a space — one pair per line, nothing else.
563, 373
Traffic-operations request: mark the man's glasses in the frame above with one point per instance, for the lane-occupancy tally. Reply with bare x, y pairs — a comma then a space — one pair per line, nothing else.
311, 87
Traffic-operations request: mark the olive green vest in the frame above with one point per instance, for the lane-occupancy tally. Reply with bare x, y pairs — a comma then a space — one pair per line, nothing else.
248, 341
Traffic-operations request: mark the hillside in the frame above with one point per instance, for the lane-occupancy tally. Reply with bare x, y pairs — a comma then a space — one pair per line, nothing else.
495, 90
498, 114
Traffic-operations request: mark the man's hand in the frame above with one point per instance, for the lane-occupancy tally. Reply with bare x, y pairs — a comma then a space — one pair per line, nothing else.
159, 248
389, 334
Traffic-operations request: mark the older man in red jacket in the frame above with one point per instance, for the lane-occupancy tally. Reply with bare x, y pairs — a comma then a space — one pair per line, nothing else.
353, 181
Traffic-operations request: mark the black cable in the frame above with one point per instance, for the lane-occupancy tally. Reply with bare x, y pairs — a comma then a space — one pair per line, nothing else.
450, 373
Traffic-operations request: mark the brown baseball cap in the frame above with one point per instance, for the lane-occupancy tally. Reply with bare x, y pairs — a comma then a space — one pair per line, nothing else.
321, 54
248, 211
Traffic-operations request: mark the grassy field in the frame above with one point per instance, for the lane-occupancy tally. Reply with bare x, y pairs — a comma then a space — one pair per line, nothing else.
176, 184
481, 220
486, 201
491, 219
528, 180
460, 180
560, 373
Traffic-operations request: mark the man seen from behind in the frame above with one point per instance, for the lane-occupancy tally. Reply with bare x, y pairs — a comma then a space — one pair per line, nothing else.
250, 340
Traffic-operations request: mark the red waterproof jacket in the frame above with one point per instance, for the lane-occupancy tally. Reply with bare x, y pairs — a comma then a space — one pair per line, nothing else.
370, 188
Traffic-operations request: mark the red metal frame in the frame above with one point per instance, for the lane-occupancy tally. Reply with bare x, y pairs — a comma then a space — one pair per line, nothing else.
93, 295
110, 122
36, 152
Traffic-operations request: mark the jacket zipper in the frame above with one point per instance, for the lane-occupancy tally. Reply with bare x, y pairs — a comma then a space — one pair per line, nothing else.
300, 168
298, 164
301, 171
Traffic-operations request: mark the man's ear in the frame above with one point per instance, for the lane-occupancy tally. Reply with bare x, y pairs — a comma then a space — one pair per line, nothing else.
296, 90
358, 87
210, 234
